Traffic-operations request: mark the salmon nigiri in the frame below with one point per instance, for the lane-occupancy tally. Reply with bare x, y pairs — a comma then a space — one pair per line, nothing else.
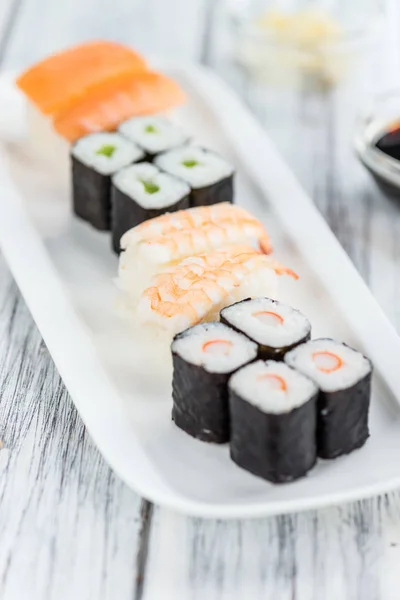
61, 80
116, 100
88, 88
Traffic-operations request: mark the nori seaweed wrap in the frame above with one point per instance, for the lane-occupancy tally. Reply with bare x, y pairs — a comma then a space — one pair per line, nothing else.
141, 192
204, 357
210, 177
343, 376
273, 421
95, 158
275, 327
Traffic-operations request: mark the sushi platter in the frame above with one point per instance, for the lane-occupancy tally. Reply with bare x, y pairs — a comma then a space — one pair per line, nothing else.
223, 352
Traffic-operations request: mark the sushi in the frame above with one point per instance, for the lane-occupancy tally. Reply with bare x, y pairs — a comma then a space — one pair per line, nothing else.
275, 327
79, 69
197, 288
116, 100
204, 357
343, 376
208, 174
94, 159
154, 134
89, 88
159, 243
273, 421
141, 192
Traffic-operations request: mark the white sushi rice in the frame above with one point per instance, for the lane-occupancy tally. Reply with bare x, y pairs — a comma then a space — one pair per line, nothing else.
132, 181
219, 357
202, 167
260, 384
88, 151
262, 281
256, 318
154, 134
354, 365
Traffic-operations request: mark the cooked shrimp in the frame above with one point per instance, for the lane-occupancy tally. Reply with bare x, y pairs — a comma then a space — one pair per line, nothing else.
200, 286
195, 230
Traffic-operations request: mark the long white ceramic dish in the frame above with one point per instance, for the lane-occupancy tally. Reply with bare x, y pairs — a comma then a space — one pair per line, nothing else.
65, 271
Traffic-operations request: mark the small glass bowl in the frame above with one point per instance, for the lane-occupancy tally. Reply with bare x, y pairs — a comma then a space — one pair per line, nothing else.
319, 46
383, 115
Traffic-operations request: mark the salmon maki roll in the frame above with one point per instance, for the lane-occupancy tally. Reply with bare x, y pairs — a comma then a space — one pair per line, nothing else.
79, 69
116, 100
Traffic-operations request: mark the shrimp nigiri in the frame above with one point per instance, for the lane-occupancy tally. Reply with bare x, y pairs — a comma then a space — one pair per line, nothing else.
153, 246
199, 287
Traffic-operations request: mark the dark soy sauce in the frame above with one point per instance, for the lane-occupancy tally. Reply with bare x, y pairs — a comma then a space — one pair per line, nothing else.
389, 143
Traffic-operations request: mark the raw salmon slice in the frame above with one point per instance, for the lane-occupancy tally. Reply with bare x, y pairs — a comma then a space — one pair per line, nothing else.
110, 103
61, 80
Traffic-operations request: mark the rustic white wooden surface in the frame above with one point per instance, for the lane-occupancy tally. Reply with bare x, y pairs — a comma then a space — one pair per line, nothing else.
69, 529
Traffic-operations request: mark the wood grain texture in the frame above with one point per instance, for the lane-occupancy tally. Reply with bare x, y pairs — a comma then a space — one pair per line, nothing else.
69, 529
327, 554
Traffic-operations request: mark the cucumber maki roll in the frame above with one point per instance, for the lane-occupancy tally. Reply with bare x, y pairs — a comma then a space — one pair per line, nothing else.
209, 176
275, 327
343, 376
95, 158
141, 192
273, 421
204, 357
154, 134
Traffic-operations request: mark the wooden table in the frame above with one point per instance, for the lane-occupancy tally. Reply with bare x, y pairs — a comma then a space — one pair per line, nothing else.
69, 529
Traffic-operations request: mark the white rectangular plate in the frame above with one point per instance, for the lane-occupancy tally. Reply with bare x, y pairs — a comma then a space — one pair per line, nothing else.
65, 271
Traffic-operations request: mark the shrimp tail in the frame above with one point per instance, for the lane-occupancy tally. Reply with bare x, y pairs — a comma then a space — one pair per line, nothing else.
265, 245
281, 270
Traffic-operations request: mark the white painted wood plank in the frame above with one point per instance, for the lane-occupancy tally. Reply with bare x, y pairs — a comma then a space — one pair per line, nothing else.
6, 8
322, 555
68, 527
174, 28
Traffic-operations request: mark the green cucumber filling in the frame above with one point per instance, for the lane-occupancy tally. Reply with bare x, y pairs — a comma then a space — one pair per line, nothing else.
150, 129
150, 187
190, 163
107, 150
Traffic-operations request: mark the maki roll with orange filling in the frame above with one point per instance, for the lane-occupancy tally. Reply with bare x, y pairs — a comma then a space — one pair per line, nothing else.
204, 357
141, 192
95, 158
275, 327
343, 376
273, 421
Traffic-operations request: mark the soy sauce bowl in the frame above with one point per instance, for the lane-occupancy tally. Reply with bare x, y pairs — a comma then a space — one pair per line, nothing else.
375, 122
